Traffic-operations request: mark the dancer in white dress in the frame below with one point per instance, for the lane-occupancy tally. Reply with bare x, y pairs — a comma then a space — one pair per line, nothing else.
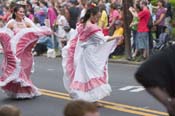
85, 60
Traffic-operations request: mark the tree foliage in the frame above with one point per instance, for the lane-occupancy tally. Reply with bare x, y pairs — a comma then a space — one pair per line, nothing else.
154, 2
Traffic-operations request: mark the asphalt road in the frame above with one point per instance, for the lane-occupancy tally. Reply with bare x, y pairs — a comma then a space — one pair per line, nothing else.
128, 98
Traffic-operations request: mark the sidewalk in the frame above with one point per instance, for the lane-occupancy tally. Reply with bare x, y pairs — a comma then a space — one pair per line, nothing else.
120, 59
123, 60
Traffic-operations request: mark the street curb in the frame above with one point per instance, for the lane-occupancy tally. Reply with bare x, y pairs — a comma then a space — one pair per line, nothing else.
123, 61
120, 61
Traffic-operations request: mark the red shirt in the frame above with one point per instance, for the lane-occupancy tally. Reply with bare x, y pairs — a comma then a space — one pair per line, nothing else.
143, 16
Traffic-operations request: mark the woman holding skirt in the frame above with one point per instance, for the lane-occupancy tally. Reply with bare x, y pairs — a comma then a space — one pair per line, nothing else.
18, 38
85, 60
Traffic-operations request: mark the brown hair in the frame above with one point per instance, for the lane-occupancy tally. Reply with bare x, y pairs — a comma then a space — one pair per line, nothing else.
79, 108
113, 6
162, 2
9, 110
84, 2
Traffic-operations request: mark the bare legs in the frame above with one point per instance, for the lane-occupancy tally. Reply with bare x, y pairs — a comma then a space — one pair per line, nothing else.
145, 53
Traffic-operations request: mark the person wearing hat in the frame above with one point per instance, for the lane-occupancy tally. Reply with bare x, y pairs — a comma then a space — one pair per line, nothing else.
119, 30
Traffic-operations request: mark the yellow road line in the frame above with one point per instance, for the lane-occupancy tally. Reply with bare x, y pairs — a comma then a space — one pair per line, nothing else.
129, 111
56, 96
135, 108
106, 106
54, 92
113, 104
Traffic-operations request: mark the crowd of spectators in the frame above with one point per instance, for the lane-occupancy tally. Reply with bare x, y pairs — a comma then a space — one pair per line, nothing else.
63, 15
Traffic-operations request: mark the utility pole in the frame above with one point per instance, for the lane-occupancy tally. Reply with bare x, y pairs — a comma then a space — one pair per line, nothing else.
127, 21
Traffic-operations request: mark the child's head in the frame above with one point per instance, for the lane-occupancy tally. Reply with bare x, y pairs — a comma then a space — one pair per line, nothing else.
81, 108
118, 24
9, 110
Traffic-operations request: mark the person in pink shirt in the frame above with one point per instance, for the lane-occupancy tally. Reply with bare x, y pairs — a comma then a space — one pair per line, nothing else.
113, 16
160, 18
52, 15
30, 15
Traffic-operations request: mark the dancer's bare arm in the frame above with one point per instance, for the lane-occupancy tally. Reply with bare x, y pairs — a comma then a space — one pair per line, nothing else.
10, 25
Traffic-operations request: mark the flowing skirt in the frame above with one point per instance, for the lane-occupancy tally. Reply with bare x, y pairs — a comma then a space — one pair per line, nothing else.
16, 66
86, 71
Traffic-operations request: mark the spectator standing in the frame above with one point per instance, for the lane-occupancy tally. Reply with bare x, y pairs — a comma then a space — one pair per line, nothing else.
67, 13
120, 11
30, 15
84, 5
107, 5
52, 17
35, 6
134, 25
142, 37
6, 14
41, 14
114, 15
61, 22
52, 14
160, 18
74, 12
150, 6
30, 11
103, 20
150, 24
169, 14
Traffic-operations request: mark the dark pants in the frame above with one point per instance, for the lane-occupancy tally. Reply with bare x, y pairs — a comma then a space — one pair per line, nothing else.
119, 50
160, 29
134, 32
150, 40
40, 48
